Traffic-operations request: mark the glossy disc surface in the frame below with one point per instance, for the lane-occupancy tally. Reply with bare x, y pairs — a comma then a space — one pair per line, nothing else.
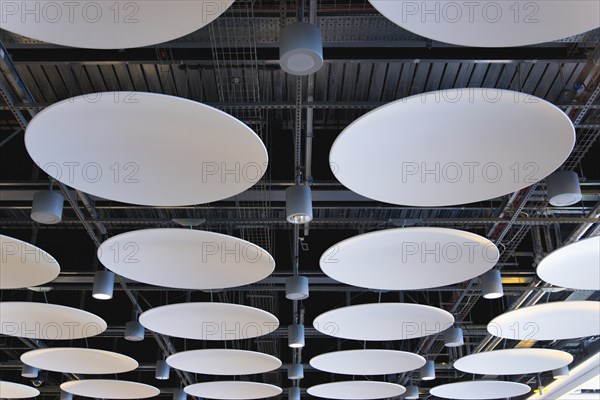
232, 390
23, 264
356, 390
367, 362
223, 362
110, 389
513, 361
79, 360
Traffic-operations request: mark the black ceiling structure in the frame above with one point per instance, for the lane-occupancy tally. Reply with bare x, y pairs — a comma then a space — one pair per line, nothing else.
232, 64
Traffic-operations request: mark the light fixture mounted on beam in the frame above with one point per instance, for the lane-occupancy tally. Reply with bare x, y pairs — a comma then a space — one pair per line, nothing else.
299, 204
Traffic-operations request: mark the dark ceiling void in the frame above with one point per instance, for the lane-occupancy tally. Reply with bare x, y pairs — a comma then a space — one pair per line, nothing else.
233, 66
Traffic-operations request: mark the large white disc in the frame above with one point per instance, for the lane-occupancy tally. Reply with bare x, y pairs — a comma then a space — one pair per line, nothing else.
209, 321
110, 389
549, 321
493, 23
480, 390
576, 266
383, 321
117, 24
48, 321
12, 390
356, 390
79, 360
186, 259
481, 144
232, 390
513, 361
409, 258
223, 362
367, 362
154, 150
23, 264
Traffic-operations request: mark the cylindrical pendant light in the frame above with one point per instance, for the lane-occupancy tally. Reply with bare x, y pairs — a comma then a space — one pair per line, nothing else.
563, 188
163, 370
134, 331
294, 393
296, 335
47, 207
179, 394
104, 282
296, 287
295, 371
491, 284
453, 337
27, 371
301, 49
298, 207
65, 395
428, 371
412, 392
561, 373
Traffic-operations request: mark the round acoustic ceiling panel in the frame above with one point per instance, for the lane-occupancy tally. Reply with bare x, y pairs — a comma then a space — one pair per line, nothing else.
492, 24
513, 361
409, 258
185, 258
549, 321
154, 150
223, 362
48, 321
367, 362
383, 321
109, 389
232, 390
574, 266
482, 143
24, 265
117, 24
209, 321
12, 390
356, 390
480, 390
79, 361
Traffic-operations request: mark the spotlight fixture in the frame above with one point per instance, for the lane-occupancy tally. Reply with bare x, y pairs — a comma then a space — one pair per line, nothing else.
134, 331
294, 393
561, 373
47, 207
563, 188
453, 337
163, 370
104, 282
179, 394
412, 392
27, 371
491, 285
296, 336
299, 204
296, 287
428, 371
295, 371
65, 395
301, 49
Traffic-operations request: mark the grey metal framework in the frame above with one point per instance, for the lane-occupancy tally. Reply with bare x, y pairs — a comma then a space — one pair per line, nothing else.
232, 65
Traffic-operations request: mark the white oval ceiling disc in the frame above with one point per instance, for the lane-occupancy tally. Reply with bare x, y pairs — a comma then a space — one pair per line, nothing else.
24, 265
409, 258
79, 361
118, 24
367, 362
185, 258
12, 390
482, 144
109, 389
223, 362
356, 390
550, 321
154, 150
232, 390
493, 24
576, 266
513, 361
48, 321
480, 390
209, 321
383, 321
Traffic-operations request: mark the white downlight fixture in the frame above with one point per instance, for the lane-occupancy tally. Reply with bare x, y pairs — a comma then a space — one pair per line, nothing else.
296, 336
427, 371
301, 49
563, 188
104, 282
296, 288
491, 285
454, 337
47, 207
299, 204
